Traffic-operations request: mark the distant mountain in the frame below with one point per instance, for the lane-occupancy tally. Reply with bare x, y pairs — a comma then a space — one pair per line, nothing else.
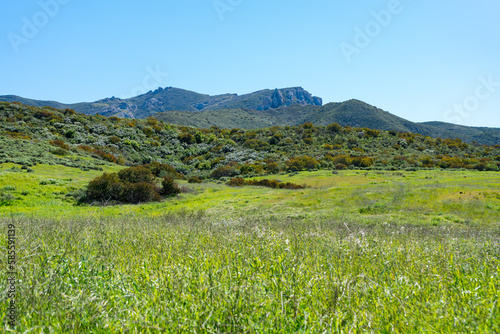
264, 108
170, 99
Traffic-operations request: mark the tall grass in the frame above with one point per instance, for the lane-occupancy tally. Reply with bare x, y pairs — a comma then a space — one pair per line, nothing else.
194, 273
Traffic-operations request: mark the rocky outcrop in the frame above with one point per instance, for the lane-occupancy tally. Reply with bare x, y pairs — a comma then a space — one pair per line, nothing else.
152, 104
266, 103
289, 96
277, 99
317, 101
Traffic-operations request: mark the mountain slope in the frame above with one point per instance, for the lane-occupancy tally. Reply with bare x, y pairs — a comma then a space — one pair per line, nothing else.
170, 99
352, 113
265, 108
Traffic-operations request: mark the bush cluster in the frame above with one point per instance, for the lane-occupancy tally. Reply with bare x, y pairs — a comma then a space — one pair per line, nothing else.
132, 185
275, 184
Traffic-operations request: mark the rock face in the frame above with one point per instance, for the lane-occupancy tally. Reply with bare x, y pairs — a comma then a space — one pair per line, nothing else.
277, 99
266, 103
318, 101
152, 104
289, 96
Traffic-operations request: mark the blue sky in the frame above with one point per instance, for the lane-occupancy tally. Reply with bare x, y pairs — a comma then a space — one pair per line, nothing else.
418, 59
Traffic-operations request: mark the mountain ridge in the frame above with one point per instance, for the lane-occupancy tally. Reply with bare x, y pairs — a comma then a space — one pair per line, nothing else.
260, 109
177, 99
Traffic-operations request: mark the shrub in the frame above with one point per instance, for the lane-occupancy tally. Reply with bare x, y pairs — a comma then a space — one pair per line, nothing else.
60, 152
275, 184
6, 199
85, 148
136, 175
226, 171
105, 156
236, 182
334, 128
187, 138
272, 167
340, 167
148, 131
70, 134
114, 139
308, 141
105, 187
363, 161
162, 170
342, 159
59, 143
169, 187
305, 162
141, 192
194, 179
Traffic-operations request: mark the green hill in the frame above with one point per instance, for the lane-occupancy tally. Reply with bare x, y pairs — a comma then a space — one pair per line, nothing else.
33, 135
352, 113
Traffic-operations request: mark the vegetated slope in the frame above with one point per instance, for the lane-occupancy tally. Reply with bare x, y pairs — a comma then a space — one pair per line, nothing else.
264, 108
483, 135
33, 135
353, 113
170, 99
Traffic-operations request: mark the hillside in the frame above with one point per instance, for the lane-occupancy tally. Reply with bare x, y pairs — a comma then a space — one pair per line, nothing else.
483, 135
352, 113
265, 108
33, 135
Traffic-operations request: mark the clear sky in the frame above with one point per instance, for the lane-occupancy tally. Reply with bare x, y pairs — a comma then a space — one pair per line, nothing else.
422, 60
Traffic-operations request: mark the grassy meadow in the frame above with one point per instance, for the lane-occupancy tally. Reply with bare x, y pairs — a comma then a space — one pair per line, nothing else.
356, 251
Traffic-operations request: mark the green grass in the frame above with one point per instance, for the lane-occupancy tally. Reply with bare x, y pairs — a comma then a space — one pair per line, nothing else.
423, 197
354, 252
192, 273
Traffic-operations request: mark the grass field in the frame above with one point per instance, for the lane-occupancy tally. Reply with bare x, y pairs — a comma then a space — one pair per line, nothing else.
354, 252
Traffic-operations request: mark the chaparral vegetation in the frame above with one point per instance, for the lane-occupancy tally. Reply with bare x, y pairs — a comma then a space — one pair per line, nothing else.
138, 226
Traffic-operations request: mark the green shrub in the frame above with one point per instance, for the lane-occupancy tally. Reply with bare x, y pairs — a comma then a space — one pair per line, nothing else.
60, 152
169, 187
194, 179
226, 171
59, 143
340, 167
140, 192
105, 188
136, 175
6, 199
187, 138
236, 182
162, 170
334, 128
